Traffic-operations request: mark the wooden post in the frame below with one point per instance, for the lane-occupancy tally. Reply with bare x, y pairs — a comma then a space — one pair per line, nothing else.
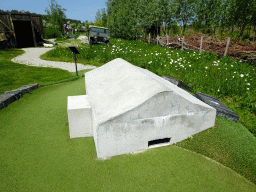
167, 40
157, 41
182, 43
32, 26
201, 44
12, 27
226, 50
148, 37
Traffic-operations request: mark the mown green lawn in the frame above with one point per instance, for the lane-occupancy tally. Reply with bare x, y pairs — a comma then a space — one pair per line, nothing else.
37, 155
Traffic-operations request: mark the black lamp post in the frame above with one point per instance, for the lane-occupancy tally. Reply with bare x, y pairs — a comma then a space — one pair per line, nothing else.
75, 51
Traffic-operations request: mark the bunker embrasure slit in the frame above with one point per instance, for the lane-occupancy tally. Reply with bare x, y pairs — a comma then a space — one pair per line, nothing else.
159, 142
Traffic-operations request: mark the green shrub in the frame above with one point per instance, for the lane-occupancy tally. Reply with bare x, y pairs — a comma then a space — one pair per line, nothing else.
175, 29
51, 33
246, 36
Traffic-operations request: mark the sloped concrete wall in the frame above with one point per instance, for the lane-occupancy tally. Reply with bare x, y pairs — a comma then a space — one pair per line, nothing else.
131, 106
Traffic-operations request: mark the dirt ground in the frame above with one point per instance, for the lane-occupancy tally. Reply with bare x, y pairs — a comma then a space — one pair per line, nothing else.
237, 50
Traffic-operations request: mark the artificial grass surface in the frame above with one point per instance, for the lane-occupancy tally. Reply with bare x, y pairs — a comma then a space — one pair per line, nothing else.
229, 143
37, 155
13, 75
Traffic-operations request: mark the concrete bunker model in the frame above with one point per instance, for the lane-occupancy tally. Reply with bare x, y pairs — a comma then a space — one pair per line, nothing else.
129, 109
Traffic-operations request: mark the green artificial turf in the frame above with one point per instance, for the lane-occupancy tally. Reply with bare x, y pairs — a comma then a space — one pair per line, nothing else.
36, 154
13, 75
229, 143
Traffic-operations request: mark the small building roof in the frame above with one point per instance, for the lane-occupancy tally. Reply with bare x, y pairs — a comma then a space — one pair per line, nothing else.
118, 87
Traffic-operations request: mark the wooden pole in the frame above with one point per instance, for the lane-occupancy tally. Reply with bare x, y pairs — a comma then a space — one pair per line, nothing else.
201, 44
157, 39
182, 43
148, 37
12, 26
32, 26
226, 50
167, 40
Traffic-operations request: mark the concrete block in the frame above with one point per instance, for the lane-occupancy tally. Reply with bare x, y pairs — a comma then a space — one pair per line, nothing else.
133, 109
79, 116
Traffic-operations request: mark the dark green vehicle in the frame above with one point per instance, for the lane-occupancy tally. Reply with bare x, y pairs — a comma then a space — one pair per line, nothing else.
98, 35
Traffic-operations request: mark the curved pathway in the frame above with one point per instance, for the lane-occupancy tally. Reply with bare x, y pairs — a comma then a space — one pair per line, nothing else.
32, 57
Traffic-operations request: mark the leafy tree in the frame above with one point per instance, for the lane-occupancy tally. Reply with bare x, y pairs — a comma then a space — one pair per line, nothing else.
79, 26
104, 17
73, 25
169, 16
243, 13
122, 18
253, 20
99, 23
56, 15
185, 12
14, 11
86, 24
101, 18
149, 14
44, 23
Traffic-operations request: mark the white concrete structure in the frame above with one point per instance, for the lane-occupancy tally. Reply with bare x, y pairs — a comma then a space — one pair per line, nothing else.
131, 107
79, 116
84, 39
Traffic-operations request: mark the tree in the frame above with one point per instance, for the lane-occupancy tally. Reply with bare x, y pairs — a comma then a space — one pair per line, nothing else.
73, 25
244, 13
101, 18
14, 11
122, 18
79, 26
56, 15
104, 17
149, 15
185, 12
99, 23
169, 16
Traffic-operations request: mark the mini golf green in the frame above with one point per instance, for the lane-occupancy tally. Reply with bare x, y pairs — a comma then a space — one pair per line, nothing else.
37, 155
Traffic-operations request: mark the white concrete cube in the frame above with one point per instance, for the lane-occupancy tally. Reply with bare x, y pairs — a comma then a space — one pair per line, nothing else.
79, 116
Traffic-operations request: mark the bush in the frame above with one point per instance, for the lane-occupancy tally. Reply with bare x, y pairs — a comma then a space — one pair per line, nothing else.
246, 36
174, 28
51, 33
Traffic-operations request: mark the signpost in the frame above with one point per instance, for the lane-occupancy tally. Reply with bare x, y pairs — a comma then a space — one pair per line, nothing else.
75, 51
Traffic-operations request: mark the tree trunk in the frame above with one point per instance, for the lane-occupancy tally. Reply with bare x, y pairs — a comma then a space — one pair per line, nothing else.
232, 30
242, 29
205, 26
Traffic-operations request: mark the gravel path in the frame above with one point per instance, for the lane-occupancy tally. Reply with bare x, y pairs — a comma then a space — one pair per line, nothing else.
31, 57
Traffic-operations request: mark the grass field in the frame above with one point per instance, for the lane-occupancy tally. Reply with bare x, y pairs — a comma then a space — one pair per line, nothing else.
37, 155
37, 152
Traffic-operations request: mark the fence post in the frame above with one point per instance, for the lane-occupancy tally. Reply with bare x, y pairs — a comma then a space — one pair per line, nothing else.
167, 40
201, 44
157, 39
148, 37
226, 50
182, 43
